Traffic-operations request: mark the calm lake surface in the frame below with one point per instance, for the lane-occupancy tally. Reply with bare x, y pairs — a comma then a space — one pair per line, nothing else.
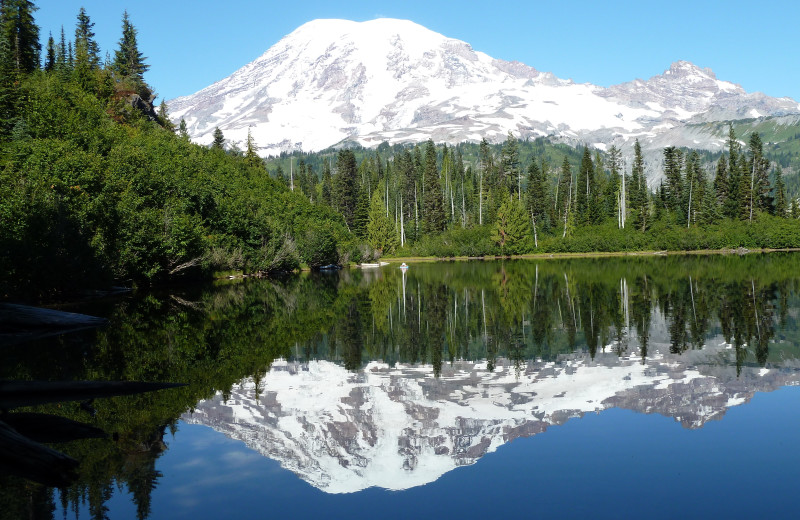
656, 387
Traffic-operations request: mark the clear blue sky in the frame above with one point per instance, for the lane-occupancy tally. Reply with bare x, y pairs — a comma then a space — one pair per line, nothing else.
193, 43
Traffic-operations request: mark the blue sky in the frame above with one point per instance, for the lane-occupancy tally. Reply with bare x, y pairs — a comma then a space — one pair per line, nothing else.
193, 43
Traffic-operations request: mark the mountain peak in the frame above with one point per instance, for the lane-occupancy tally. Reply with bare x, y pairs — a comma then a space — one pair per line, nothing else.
683, 69
386, 79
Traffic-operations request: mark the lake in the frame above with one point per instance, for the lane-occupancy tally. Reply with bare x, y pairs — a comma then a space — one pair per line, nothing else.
630, 387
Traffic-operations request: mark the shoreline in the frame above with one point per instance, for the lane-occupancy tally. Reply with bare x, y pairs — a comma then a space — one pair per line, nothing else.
597, 254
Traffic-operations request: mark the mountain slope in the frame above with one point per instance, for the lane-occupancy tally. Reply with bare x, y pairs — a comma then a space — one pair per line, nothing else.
396, 81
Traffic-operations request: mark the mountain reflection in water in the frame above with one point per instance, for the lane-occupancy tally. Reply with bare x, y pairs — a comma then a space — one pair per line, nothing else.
391, 379
398, 426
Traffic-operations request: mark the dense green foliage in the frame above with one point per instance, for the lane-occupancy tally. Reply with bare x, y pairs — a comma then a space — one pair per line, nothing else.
95, 190
587, 204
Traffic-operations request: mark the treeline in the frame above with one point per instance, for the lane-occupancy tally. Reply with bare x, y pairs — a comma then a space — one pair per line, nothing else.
437, 201
97, 188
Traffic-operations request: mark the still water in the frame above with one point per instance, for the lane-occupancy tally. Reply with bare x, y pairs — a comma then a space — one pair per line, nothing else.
610, 388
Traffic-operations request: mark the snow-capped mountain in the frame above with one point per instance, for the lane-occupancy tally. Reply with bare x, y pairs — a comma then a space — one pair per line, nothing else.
393, 80
398, 426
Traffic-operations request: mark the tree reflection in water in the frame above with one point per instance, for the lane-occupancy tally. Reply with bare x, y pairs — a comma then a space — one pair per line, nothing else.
515, 315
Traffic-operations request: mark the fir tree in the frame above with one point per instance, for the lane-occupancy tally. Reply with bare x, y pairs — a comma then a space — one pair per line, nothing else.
362, 213
251, 151
219, 140
584, 196
345, 186
536, 198
50, 54
638, 196
129, 64
434, 220
8, 94
325, 194
163, 118
511, 227
380, 231
22, 34
87, 52
779, 193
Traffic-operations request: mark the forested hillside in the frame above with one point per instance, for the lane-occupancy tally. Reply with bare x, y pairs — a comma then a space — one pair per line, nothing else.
97, 188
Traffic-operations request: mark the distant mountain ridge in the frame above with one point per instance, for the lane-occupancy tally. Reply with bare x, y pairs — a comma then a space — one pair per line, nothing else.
331, 81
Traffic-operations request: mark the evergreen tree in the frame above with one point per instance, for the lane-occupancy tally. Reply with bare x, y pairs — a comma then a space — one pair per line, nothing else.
380, 230
536, 198
219, 140
362, 213
638, 196
584, 197
251, 151
129, 64
733, 204
163, 117
511, 173
50, 54
779, 193
721, 181
8, 94
345, 186
433, 219
22, 34
759, 175
511, 227
184, 132
325, 193
673, 164
87, 52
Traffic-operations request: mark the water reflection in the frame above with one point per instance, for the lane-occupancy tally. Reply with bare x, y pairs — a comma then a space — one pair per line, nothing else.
398, 426
389, 378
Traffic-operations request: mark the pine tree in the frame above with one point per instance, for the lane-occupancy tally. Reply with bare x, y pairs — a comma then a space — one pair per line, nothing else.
22, 34
129, 64
219, 140
433, 219
183, 132
251, 151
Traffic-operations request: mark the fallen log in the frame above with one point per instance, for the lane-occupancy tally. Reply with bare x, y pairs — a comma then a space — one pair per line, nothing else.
25, 458
46, 428
15, 316
15, 394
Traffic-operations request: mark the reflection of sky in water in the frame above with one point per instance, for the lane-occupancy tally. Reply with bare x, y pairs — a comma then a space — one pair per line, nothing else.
615, 464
